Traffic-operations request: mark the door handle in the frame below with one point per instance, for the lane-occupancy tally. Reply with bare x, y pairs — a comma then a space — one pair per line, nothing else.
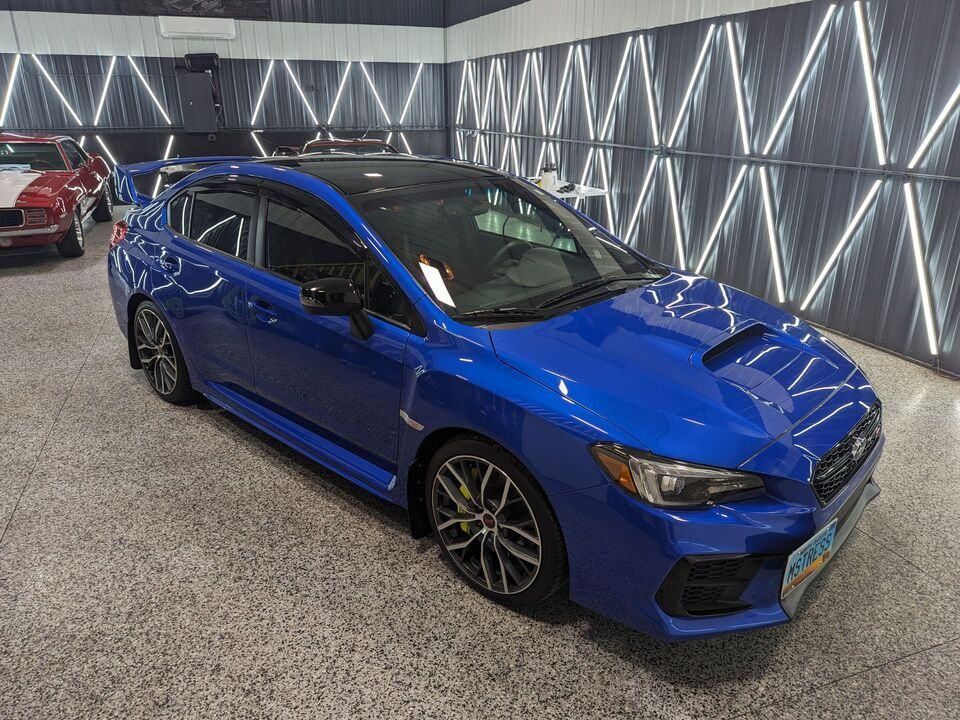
263, 311
169, 263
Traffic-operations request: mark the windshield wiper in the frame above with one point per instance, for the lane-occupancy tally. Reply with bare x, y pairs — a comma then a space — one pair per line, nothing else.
585, 288
500, 313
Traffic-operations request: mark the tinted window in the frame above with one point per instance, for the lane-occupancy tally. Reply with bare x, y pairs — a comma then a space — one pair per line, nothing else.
383, 297
221, 219
74, 153
36, 156
303, 248
178, 214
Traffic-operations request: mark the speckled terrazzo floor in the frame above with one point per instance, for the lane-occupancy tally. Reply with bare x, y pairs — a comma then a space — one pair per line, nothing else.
173, 562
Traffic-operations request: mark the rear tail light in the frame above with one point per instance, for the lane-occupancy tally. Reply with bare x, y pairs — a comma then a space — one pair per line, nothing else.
119, 233
35, 216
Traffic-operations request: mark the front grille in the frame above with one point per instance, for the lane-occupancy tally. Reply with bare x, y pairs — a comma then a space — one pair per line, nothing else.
841, 463
11, 218
708, 585
36, 216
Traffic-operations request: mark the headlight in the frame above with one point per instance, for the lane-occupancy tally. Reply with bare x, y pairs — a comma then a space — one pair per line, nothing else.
671, 484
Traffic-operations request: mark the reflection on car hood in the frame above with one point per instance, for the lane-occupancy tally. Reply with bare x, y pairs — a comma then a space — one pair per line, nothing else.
690, 368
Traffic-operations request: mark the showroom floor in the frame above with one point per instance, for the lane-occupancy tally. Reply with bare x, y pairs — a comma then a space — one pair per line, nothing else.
161, 561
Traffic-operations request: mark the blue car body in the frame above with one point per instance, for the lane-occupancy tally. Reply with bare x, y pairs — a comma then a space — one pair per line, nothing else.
645, 369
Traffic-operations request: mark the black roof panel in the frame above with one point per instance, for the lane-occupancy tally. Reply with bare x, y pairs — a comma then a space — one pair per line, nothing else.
353, 175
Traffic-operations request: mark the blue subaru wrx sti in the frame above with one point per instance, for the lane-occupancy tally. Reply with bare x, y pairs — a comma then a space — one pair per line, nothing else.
558, 409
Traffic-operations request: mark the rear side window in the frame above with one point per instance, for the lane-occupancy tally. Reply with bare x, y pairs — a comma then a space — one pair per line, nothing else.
221, 219
302, 248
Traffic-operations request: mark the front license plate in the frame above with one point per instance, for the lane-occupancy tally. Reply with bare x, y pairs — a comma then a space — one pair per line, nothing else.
805, 560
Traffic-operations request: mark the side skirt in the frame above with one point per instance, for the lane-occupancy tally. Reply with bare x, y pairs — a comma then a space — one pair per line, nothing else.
361, 472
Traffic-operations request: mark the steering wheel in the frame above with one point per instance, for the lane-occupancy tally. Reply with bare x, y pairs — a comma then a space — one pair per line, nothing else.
506, 252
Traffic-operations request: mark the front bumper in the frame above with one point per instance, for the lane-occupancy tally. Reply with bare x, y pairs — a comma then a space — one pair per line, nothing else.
31, 237
618, 570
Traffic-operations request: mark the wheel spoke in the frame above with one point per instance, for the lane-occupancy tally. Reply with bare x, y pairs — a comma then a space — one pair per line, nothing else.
483, 564
503, 497
464, 543
455, 495
519, 551
483, 485
454, 521
521, 532
503, 569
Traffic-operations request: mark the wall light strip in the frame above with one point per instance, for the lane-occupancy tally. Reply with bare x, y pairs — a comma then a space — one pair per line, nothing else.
485, 112
103, 94
336, 99
675, 211
648, 86
728, 203
772, 237
923, 282
9, 93
804, 68
644, 189
256, 140
146, 85
935, 130
608, 197
502, 86
106, 150
738, 87
617, 88
588, 104
541, 107
866, 56
373, 89
693, 81
263, 91
847, 234
49, 79
517, 106
296, 84
413, 88
561, 94
461, 96
166, 155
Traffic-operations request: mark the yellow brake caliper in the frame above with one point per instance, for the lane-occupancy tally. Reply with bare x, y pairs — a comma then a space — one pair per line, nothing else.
465, 526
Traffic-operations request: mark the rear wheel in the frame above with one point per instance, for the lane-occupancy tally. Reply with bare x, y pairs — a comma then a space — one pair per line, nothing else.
160, 355
71, 244
103, 212
494, 523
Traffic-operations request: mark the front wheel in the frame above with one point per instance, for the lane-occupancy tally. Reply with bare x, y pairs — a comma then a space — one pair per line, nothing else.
71, 244
160, 355
494, 523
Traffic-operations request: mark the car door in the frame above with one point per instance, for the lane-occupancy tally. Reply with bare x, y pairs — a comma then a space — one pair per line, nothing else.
312, 368
78, 161
205, 255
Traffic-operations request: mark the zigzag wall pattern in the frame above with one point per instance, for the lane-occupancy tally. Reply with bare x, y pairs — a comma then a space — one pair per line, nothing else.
710, 152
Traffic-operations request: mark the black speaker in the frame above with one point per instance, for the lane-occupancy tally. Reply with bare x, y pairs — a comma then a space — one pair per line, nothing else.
202, 62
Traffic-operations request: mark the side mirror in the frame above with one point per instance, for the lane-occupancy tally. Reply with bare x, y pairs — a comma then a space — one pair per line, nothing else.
337, 296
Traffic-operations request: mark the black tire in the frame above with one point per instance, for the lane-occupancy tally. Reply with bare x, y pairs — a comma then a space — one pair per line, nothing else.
103, 212
551, 571
71, 244
160, 355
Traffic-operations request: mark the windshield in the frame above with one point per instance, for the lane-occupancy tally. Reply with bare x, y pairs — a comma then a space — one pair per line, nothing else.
487, 245
39, 156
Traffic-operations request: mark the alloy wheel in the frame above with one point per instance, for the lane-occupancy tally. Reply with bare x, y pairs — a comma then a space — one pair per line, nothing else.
155, 349
78, 228
486, 524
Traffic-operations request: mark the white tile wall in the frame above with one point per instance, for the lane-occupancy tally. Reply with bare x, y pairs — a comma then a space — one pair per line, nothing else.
77, 34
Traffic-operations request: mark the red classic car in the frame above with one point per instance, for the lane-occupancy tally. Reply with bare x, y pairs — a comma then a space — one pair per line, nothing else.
48, 187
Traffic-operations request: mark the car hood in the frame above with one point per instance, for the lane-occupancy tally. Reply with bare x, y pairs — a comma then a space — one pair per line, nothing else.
45, 189
689, 368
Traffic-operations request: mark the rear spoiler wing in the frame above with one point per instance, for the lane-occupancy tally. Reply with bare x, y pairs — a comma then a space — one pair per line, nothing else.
170, 171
